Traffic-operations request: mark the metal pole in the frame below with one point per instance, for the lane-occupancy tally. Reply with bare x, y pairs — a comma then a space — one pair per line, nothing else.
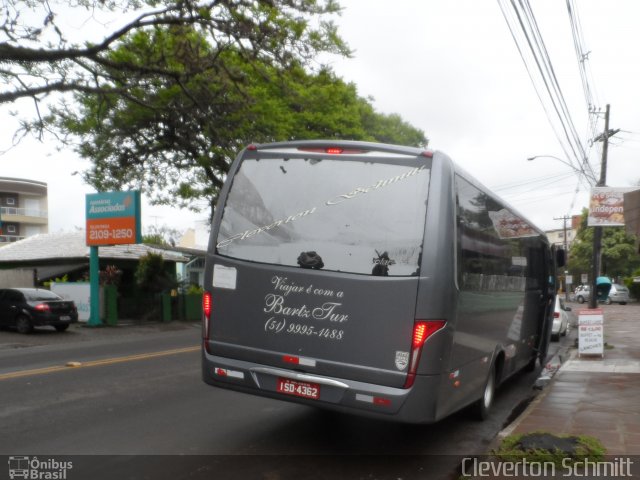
597, 232
566, 254
94, 288
564, 218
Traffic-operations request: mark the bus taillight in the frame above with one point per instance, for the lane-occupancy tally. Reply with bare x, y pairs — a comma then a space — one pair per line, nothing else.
422, 330
207, 303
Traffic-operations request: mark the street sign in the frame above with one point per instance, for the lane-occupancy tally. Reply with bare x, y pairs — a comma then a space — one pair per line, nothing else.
113, 218
606, 206
584, 278
569, 279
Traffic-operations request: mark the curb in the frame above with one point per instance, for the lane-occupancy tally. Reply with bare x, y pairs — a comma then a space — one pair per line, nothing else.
544, 383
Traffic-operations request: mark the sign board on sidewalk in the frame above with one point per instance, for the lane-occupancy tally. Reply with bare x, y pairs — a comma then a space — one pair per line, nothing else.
113, 218
584, 278
569, 279
591, 332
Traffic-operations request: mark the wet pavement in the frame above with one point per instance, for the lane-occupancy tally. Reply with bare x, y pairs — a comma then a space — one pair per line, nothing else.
595, 396
80, 332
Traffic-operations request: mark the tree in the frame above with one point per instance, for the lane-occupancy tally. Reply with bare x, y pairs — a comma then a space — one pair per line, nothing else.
37, 57
164, 103
162, 236
152, 275
176, 144
619, 254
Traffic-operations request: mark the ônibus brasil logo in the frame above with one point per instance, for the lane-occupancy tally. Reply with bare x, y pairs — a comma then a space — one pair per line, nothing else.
36, 469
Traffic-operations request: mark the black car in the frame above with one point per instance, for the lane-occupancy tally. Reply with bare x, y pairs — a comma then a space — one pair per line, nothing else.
25, 308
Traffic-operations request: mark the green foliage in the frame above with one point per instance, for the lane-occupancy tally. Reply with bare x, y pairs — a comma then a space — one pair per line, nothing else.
176, 140
152, 275
588, 448
194, 290
634, 287
63, 279
619, 254
39, 58
153, 239
162, 236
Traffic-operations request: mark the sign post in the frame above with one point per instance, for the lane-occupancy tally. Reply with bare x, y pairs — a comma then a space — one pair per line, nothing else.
94, 287
113, 218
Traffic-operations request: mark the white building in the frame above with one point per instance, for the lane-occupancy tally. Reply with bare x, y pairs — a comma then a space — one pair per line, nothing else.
23, 209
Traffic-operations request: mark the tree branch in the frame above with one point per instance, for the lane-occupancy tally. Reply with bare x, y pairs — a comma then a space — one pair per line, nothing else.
33, 92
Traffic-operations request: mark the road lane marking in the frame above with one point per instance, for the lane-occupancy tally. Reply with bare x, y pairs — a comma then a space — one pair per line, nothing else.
96, 363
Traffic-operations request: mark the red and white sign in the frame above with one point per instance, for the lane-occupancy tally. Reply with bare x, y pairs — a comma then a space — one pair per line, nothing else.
606, 206
591, 332
298, 389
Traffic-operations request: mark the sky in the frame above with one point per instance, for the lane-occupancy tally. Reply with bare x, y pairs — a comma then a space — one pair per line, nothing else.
452, 69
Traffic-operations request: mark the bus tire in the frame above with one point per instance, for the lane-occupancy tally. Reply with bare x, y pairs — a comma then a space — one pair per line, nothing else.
482, 407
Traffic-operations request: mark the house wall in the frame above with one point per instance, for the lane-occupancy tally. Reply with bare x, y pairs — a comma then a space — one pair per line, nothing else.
16, 277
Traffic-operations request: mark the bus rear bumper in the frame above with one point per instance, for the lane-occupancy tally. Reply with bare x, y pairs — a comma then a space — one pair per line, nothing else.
413, 405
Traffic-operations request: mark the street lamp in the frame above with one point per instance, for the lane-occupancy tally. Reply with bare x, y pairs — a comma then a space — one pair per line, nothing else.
572, 167
565, 218
551, 156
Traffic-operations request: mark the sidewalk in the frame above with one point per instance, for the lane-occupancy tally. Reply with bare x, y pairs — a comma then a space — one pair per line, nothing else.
594, 396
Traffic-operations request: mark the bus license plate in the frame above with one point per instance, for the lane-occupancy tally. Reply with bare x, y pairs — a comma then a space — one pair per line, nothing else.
298, 389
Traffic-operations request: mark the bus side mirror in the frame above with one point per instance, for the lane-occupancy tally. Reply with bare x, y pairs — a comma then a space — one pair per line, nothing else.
561, 258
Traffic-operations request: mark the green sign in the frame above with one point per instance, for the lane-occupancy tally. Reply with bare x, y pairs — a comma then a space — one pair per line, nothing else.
113, 218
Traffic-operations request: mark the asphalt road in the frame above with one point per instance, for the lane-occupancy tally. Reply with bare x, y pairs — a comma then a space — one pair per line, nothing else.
134, 406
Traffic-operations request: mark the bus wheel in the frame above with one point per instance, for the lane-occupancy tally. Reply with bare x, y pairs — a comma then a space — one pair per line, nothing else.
482, 406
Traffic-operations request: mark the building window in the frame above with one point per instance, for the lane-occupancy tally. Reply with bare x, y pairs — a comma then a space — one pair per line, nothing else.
11, 229
11, 201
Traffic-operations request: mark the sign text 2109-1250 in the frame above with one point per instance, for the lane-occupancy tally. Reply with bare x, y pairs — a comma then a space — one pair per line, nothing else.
106, 234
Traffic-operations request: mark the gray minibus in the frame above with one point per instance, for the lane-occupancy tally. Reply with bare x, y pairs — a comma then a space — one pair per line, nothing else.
371, 279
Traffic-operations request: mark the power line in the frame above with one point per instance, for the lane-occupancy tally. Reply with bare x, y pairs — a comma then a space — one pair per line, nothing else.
586, 75
533, 52
531, 181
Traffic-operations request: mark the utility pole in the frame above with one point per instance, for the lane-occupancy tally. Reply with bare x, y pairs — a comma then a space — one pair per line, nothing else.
564, 218
597, 232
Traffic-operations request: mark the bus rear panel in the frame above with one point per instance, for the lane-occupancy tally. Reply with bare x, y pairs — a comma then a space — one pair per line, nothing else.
367, 278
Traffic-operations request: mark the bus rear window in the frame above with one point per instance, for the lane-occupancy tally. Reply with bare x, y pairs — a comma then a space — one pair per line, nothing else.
357, 216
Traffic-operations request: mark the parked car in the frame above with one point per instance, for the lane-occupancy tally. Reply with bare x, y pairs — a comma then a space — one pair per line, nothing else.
25, 308
581, 294
618, 294
560, 319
